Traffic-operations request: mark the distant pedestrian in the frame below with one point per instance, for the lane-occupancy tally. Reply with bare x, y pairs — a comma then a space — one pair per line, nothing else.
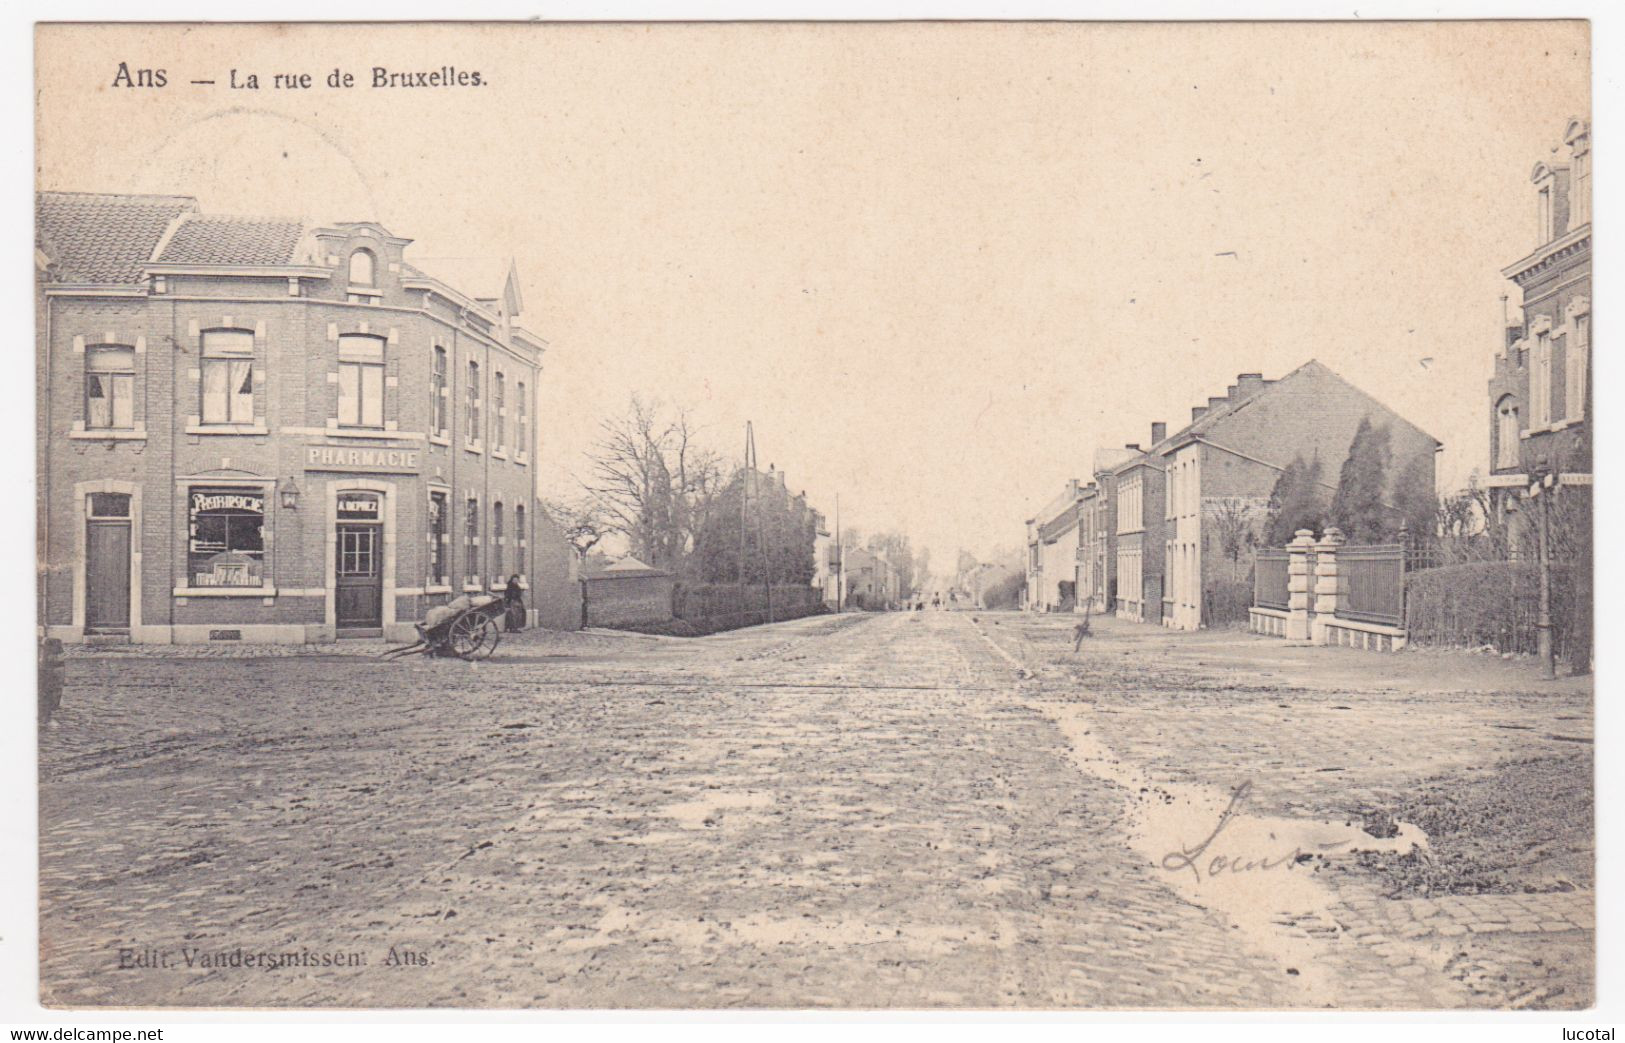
514, 598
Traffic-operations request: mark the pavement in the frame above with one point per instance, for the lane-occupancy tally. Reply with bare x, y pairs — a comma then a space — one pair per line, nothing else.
933, 809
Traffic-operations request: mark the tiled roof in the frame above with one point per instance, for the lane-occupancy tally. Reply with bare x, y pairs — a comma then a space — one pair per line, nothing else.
103, 239
208, 239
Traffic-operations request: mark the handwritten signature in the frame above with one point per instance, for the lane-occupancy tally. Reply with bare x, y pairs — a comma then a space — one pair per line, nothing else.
1191, 857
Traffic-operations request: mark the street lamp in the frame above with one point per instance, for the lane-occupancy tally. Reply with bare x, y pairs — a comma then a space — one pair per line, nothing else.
290, 496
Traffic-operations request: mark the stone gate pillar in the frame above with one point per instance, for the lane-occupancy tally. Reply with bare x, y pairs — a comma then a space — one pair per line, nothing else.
1327, 584
1297, 585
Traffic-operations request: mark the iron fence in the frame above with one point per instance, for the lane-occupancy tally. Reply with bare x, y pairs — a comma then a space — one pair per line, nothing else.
1270, 578
1374, 584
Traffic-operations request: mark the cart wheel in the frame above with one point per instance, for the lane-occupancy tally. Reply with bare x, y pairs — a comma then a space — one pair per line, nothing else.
474, 636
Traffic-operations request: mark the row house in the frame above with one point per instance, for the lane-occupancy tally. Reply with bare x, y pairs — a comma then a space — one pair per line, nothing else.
1103, 528
1540, 394
1091, 570
826, 562
253, 429
868, 580
1221, 469
1137, 483
1052, 552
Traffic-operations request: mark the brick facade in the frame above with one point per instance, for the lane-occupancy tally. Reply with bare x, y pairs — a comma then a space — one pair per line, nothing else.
628, 599
1540, 395
278, 451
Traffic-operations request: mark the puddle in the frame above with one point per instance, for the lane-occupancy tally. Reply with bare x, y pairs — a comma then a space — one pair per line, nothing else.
711, 811
1256, 870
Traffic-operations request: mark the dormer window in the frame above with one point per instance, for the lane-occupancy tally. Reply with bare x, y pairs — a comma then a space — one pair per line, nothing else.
1578, 139
363, 267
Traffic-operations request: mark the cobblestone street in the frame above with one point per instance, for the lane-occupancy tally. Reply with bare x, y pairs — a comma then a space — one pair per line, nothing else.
907, 810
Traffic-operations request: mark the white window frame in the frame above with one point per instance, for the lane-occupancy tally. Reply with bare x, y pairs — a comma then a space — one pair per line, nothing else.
357, 370
232, 350
111, 379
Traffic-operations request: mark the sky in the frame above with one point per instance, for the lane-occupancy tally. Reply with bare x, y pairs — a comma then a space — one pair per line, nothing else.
935, 265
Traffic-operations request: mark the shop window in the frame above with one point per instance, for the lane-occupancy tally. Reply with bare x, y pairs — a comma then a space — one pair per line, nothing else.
109, 387
225, 537
437, 388
228, 377
361, 381
437, 539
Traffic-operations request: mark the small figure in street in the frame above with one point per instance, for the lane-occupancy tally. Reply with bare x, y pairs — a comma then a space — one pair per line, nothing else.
514, 597
1080, 631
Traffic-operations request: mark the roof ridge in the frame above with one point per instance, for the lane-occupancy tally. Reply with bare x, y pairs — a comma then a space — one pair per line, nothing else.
152, 197
257, 219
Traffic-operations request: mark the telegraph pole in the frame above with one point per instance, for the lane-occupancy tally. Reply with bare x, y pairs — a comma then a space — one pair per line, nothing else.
1541, 491
840, 560
746, 479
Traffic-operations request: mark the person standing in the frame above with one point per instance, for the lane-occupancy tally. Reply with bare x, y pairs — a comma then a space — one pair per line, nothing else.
514, 598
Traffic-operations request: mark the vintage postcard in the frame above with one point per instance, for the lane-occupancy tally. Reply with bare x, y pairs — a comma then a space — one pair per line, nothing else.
815, 515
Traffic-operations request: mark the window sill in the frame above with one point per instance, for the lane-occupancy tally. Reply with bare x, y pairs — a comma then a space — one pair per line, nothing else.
226, 429
474, 447
370, 432
443, 588
521, 459
473, 588
1551, 428
497, 454
440, 440
107, 435
224, 592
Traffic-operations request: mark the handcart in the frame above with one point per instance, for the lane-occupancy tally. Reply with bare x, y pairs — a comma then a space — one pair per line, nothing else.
467, 628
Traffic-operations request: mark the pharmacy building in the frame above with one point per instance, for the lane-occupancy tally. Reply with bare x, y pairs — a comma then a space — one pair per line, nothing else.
263, 430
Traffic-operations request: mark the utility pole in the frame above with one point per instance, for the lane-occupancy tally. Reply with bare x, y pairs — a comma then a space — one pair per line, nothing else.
1544, 485
840, 560
746, 479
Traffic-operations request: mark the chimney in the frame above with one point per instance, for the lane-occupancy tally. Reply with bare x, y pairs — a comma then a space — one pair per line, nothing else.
1230, 393
1159, 431
1250, 382
1132, 445
1197, 413
1215, 401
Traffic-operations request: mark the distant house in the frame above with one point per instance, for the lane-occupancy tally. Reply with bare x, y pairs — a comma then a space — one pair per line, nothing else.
1102, 530
1221, 468
870, 580
1052, 552
1138, 485
625, 592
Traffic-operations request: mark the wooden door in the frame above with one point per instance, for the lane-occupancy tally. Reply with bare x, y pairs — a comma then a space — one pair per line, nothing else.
360, 578
107, 575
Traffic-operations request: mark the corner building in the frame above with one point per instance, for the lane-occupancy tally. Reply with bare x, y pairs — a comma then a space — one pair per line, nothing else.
261, 430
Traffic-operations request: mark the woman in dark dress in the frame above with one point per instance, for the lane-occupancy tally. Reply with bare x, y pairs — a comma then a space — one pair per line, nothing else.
514, 597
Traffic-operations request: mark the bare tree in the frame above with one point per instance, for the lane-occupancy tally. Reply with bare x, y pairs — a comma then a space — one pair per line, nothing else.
583, 522
654, 480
